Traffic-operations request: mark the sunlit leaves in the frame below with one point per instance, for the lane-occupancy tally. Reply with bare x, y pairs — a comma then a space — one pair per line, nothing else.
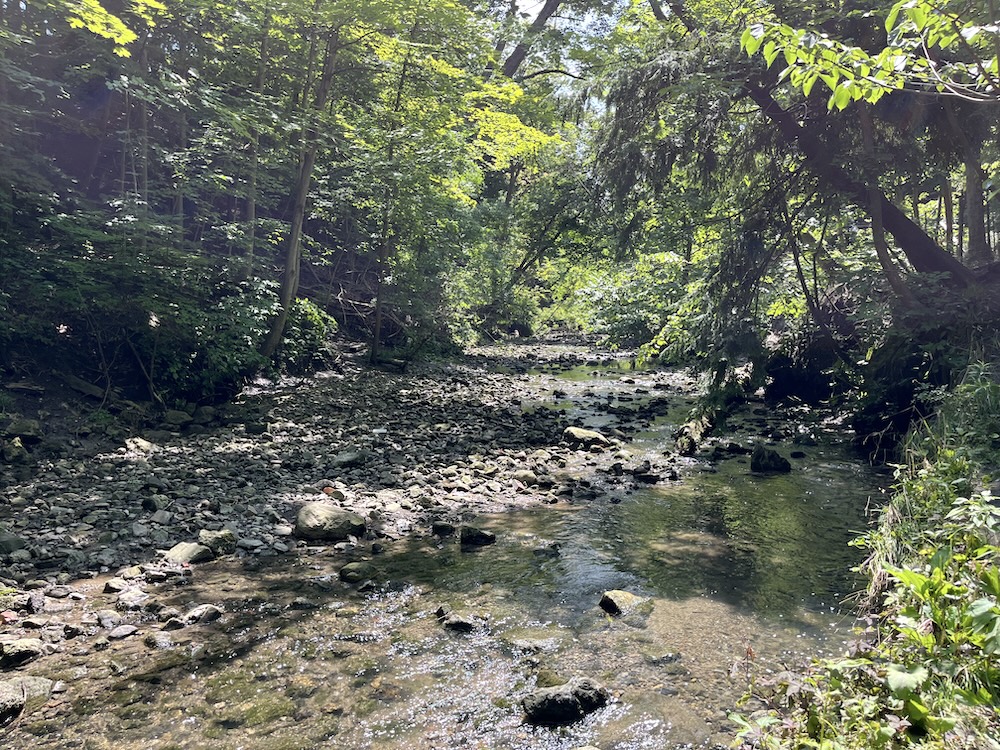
969, 68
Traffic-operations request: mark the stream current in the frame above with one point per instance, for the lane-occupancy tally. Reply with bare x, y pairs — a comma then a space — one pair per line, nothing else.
732, 564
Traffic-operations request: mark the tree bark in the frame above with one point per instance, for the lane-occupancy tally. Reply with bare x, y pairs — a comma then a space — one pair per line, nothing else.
520, 53
300, 194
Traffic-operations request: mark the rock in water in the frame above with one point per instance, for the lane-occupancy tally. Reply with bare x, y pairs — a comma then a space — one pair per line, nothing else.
326, 522
476, 537
768, 461
586, 438
618, 602
565, 704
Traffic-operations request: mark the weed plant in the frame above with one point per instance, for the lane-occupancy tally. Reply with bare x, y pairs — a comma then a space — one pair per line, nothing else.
926, 671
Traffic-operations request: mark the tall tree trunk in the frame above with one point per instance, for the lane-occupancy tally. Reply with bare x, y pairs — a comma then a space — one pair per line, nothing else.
977, 252
300, 194
949, 215
251, 206
517, 57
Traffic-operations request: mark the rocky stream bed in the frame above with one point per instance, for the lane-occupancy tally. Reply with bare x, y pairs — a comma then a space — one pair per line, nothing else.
500, 552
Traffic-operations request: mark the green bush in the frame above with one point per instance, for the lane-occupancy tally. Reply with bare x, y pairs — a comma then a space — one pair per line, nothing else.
306, 343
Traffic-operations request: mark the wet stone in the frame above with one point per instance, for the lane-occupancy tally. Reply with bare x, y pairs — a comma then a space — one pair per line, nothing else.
203, 613
356, 572
22, 695
474, 536
618, 602
565, 704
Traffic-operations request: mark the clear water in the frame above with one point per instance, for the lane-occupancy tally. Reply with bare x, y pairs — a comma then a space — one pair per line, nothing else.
732, 564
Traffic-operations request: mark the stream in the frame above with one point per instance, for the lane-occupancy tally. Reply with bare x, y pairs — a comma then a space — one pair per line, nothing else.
742, 575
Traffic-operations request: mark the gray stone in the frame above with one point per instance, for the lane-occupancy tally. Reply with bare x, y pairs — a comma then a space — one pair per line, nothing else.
9, 543
586, 438
442, 528
565, 704
108, 618
122, 631
325, 522
131, 600
21, 695
618, 602
190, 552
526, 477
161, 517
356, 572
349, 459
221, 542
20, 651
176, 418
768, 461
203, 613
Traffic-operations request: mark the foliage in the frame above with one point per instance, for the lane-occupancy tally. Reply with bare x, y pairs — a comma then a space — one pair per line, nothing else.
928, 673
306, 343
933, 45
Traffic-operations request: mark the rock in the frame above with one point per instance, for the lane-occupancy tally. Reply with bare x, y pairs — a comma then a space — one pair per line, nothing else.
473, 536
442, 528
21, 695
9, 543
160, 641
356, 572
618, 602
177, 418
108, 618
14, 452
189, 552
526, 477
132, 599
203, 613
349, 459
122, 631
222, 542
162, 517
326, 522
21, 651
565, 704
586, 438
28, 430
768, 461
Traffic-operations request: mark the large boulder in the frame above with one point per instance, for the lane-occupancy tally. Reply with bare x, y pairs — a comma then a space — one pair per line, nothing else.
767, 461
565, 704
586, 438
321, 521
22, 694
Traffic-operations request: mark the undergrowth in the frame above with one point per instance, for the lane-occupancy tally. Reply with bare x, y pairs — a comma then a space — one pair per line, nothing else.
926, 671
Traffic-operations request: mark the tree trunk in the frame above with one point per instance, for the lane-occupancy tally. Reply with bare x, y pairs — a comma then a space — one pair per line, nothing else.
251, 206
300, 194
520, 53
923, 253
977, 251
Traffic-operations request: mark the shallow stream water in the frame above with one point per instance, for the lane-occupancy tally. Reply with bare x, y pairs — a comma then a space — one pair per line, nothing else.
744, 575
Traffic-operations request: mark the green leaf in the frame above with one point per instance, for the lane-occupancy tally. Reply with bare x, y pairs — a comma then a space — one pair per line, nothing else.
903, 681
890, 22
